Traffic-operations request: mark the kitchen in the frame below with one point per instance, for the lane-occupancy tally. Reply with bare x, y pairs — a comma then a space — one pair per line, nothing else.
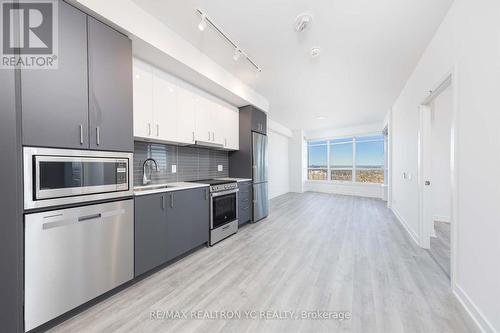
126, 169
209, 165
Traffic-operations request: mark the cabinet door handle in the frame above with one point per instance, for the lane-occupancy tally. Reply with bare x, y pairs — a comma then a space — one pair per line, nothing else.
89, 217
163, 202
193, 136
98, 135
157, 130
149, 129
209, 135
81, 134
171, 201
213, 136
225, 142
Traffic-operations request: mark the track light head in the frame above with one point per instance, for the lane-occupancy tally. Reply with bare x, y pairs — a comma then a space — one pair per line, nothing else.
236, 55
203, 23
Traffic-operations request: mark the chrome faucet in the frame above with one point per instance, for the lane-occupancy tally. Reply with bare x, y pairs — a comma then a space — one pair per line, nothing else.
145, 179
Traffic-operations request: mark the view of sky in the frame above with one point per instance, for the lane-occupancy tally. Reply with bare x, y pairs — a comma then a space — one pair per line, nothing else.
367, 153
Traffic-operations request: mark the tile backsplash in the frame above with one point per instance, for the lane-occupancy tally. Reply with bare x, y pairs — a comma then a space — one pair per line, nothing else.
192, 163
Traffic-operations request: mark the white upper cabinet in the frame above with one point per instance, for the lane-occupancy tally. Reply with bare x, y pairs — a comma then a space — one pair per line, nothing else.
186, 105
203, 121
167, 111
143, 99
232, 129
164, 107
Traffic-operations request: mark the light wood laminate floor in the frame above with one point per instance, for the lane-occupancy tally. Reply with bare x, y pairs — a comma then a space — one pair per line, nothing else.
440, 246
314, 252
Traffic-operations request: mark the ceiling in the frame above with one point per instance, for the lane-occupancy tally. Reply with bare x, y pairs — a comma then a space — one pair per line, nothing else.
368, 50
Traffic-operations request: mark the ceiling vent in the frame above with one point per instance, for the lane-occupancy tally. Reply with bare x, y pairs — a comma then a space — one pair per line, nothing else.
303, 22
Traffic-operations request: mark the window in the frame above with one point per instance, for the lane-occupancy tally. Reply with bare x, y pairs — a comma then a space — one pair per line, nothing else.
358, 159
341, 160
370, 159
317, 157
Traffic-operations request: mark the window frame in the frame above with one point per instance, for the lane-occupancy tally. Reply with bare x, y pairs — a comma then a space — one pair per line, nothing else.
327, 161
330, 142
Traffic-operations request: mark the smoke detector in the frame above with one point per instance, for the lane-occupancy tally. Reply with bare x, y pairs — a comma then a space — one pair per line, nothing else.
315, 52
303, 22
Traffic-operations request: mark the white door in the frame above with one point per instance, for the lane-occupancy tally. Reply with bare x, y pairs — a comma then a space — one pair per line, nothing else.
203, 121
143, 99
164, 108
186, 116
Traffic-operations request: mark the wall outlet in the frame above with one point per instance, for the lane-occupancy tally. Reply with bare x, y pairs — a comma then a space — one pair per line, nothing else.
220, 168
174, 168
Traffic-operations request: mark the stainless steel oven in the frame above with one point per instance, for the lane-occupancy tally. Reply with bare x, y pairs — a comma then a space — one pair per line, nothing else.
55, 177
224, 212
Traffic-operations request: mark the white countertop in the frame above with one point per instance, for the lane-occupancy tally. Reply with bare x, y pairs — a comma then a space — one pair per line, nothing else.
167, 187
238, 180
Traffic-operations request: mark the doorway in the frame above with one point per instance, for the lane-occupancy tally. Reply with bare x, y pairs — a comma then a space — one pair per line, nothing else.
436, 174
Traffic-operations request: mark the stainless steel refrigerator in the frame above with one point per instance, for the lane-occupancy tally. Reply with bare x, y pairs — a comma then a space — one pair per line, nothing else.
259, 176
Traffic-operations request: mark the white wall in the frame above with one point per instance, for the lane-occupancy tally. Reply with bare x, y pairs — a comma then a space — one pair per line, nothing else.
360, 190
469, 41
278, 137
297, 161
279, 181
441, 120
345, 131
159, 45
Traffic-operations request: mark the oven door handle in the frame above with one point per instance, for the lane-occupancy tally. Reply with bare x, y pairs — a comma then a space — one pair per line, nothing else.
218, 194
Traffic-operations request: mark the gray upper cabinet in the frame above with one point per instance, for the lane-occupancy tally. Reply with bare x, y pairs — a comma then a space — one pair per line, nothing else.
150, 232
251, 120
110, 88
259, 121
188, 220
55, 101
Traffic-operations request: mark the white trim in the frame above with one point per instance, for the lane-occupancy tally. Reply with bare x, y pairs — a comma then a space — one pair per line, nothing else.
349, 136
477, 316
441, 218
454, 177
342, 182
405, 225
450, 79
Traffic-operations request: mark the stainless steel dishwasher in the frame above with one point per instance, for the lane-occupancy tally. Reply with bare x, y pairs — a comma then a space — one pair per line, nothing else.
74, 255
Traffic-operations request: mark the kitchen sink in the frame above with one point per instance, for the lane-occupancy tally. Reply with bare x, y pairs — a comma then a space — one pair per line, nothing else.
152, 187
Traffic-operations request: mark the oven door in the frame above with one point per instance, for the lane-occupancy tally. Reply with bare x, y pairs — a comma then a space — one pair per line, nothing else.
224, 208
56, 176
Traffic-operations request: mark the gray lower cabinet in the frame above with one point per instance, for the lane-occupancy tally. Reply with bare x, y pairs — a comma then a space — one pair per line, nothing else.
55, 101
150, 232
188, 215
245, 203
110, 88
168, 225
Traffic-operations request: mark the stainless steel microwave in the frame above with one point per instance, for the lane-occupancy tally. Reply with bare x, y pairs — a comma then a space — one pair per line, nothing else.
54, 177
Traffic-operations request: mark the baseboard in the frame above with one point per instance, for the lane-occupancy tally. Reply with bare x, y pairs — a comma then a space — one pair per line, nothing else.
405, 225
441, 218
477, 316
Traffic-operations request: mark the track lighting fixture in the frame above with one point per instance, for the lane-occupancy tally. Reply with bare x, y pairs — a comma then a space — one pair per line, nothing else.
236, 55
203, 23
238, 52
